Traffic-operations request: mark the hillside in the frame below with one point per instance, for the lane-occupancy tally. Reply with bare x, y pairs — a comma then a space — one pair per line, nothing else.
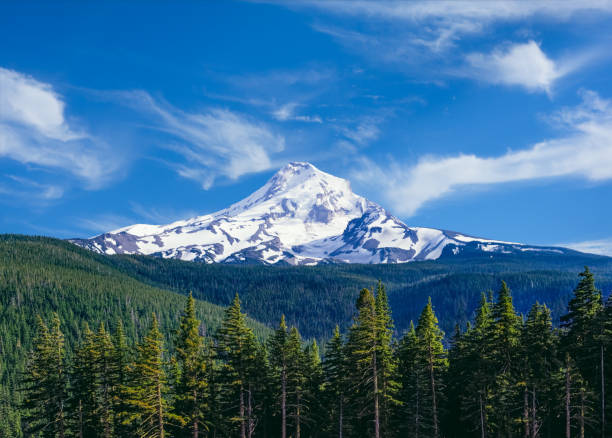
39, 276
316, 298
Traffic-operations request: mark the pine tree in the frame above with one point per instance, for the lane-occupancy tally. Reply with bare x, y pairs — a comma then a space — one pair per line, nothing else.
477, 370
386, 360
433, 362
581, 338
147, 385
314, 416
279, 361
45, 382
119, 373
409, 417
362, 352
237, 348
540, 370
506, 403
296, 381
84, 404
191, 382
103, 374
335, 369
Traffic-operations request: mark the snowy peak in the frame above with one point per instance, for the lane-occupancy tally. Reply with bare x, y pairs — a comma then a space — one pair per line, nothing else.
301, 190
302, 215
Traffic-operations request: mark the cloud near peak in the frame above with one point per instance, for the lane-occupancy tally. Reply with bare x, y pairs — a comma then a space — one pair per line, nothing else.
214, 142
586, 152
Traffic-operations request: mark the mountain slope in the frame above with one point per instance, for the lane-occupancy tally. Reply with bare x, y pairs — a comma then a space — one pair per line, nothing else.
300, 216
316, 298
39, 276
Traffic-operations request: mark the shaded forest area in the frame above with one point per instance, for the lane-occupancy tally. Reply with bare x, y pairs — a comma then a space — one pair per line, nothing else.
48, 277
503, 376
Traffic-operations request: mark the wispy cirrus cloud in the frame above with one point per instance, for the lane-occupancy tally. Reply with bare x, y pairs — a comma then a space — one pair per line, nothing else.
34, 131
585, 152
287, 112
437, 25
413, 35
213, 143
597, 246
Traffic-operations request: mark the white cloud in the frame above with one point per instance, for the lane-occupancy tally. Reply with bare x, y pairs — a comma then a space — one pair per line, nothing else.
34, 130
586, 152
600, 246
365, 131
525, 65
214, 142
287, 112
25, 101
438, 24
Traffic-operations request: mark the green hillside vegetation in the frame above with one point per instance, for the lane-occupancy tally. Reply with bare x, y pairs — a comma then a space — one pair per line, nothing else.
501, 376
316, 298
42, 276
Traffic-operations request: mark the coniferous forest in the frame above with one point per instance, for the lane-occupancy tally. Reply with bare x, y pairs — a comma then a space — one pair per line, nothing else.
501, 375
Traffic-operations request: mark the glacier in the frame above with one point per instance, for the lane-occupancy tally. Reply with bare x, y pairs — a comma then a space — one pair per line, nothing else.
301, 216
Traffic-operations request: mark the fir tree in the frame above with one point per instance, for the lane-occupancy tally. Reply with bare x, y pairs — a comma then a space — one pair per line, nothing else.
582, 340
433, 362
279, 361
386, 359
409, 415
191, 382
45, 382
505, 407
84, 404
335, 369
296, 381
540, 370
237, 348
362, 351
147, 387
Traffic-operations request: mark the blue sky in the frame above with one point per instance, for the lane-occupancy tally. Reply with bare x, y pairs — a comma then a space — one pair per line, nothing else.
489, 118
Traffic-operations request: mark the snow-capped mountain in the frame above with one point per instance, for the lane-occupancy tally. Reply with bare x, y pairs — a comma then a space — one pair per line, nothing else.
300, 216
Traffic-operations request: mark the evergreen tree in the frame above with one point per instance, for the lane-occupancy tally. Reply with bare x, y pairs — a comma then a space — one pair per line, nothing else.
506, 401
335, 368
84, 405
542, 381
279, 361
387, 363
433, 363
147, 386
582, 340
410, 412
296, 381
103, 374
45, 382
363, 357
119, 373
191, 380
237, 348
313, 396
474, 365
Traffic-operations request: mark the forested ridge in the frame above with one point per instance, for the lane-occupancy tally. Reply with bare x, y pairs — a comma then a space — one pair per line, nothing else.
48, 277
42, 276
503, 375
316, 298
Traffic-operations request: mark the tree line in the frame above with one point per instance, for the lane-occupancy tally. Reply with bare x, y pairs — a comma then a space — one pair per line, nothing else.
504, 375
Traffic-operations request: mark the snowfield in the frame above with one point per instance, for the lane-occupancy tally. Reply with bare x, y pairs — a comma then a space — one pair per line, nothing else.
300, 216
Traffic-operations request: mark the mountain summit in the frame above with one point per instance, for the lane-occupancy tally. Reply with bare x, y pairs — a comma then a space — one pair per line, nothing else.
300, 216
